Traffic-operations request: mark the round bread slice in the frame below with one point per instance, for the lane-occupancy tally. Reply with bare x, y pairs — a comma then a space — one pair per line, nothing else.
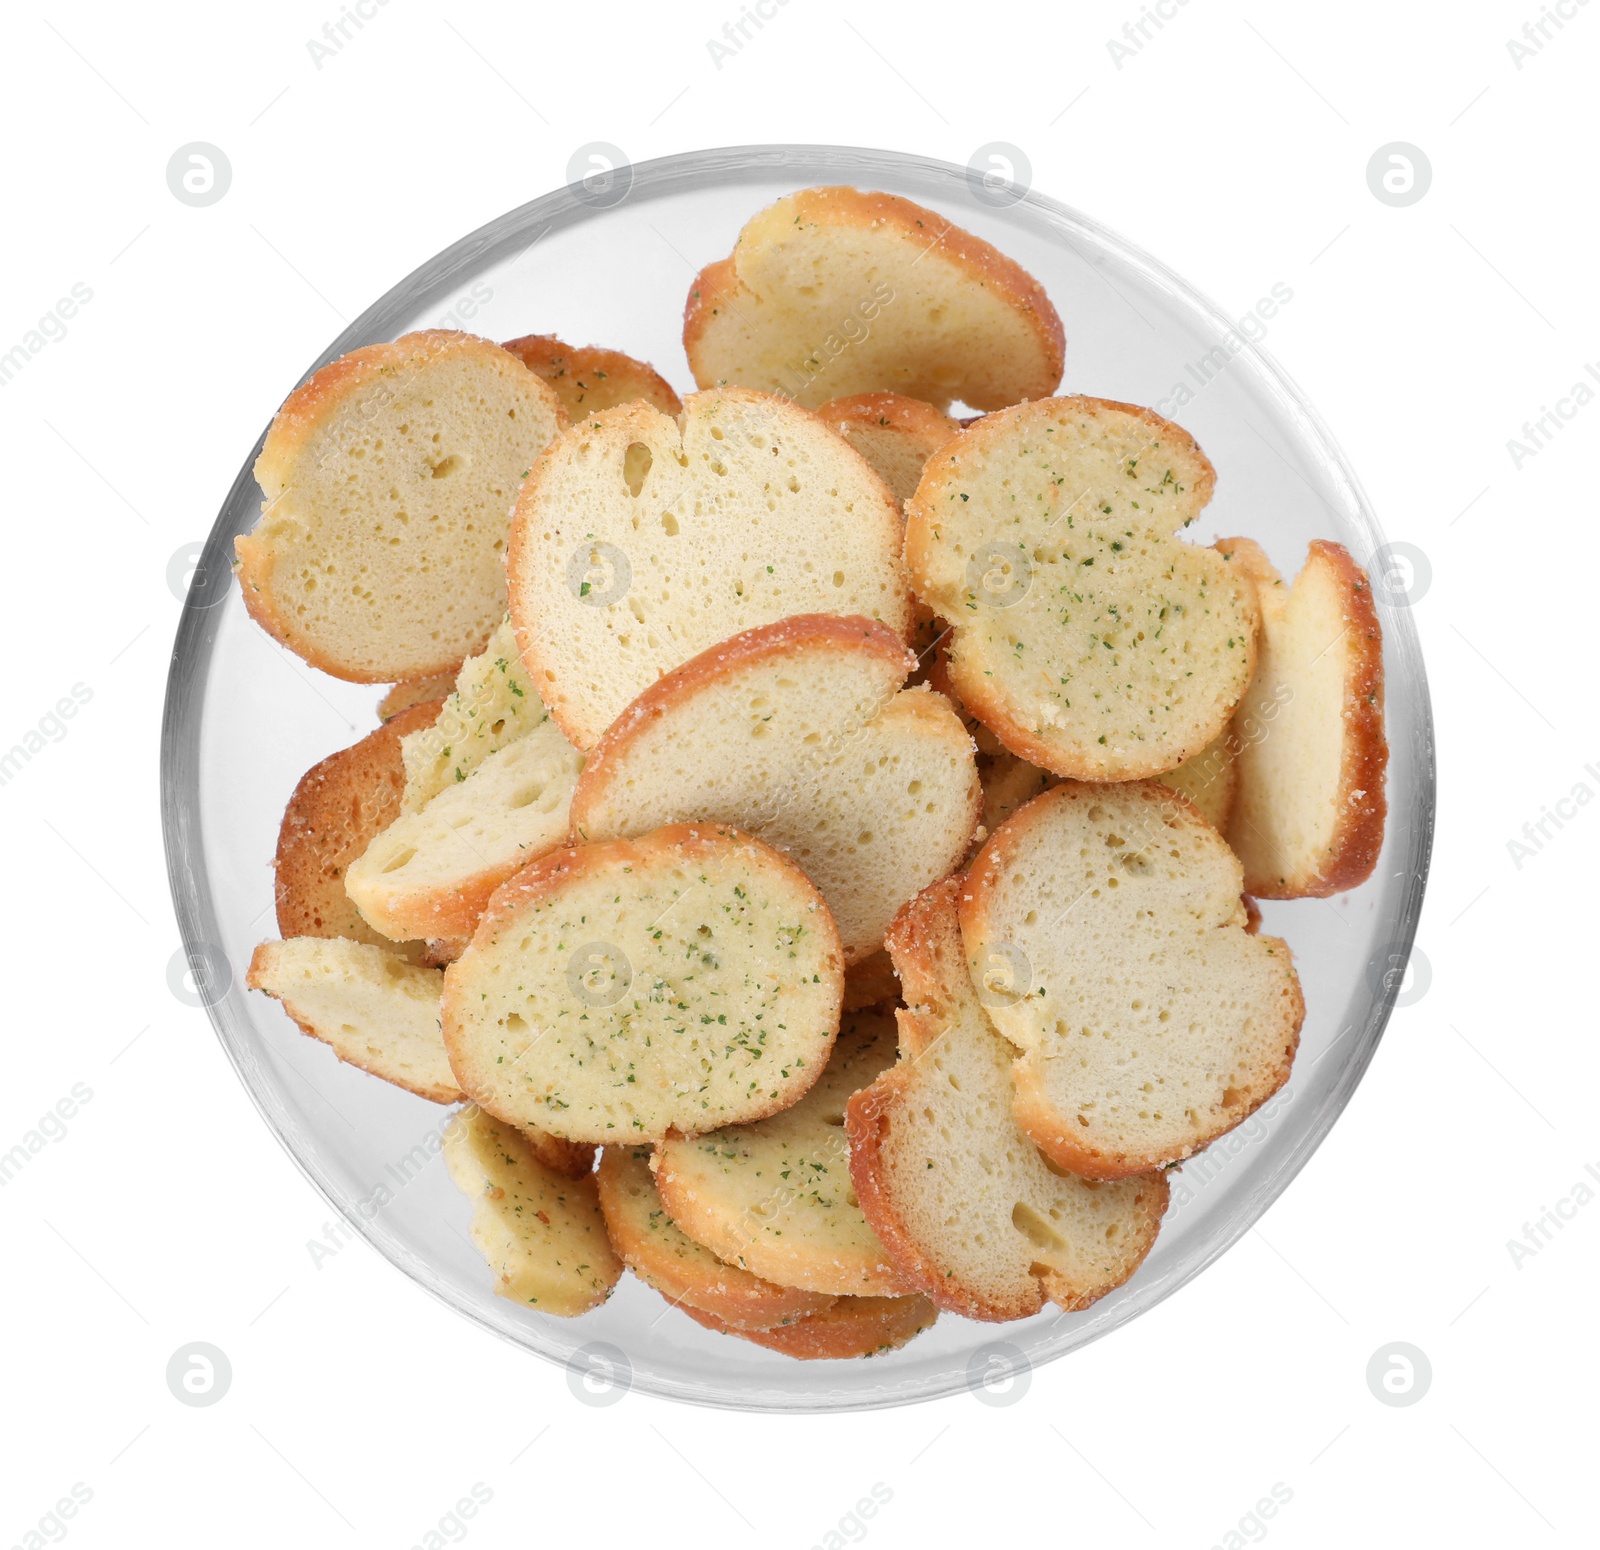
1311, 749
1106, 937
540, 1230
367, 1004
850, 1327
656, 1250
895, 434
588, 379
776, 1198
832, 292
968, 1208
616, 992
430, 874
639, 541
389, 478
338, 808
413, 692
1089, 637
800, 733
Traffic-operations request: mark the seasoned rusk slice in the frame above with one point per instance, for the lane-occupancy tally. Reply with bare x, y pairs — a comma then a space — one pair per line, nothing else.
799, 732
1105, 935
895, 434
588, 379
656, 1250
776, 1197
367, 1004
413, 692
430, 874
1085, 633
968, 1208
1312, 754
616, 992
639, 541
389, 479
872, 982
540, 1231
1210, 780
832, 292
849, 1327
493, 704
336, 810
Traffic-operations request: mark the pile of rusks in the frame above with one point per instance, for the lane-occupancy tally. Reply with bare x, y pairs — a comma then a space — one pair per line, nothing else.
840, 817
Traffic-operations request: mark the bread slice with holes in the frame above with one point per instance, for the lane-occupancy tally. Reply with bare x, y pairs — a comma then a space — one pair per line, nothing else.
776, 1197
686, 1273
801, 733
588, 379
493, 704
1106, 936
639, 541
388, 481
337, 809
372, 1008
413, 692
1311, 750
540, 1230
617, 992
1085, 633
850, 1327
430, 874
969, 1210
832, 292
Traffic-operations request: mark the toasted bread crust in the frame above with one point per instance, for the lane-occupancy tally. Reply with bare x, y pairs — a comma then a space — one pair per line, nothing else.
415, 691
871, 982
580, 374
850, 1328
912, 417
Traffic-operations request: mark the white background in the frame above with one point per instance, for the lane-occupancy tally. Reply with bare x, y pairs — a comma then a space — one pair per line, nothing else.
1234, 146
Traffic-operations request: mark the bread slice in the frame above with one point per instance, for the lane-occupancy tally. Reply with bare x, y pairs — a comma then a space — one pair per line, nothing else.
849, 1327
895, 434
588, 379
799, 732
1210, 779
372, 1008
616, 992
639, 541
1106, 937
430, 874
872, 982
493, 704
776, 1197
967, 1207
1309, 735
1089, 637
832, 292
413, 692
656, 1250
389, 477
337, 809
540, 1231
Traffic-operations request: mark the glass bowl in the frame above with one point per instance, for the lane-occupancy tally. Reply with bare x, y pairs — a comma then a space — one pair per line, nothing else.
609, 262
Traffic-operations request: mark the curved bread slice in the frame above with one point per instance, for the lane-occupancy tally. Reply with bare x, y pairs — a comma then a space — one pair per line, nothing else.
588, 379
540, 1231
493, 704
832, 292
639, 541
776, 1197
389, 477
848, 1328
968, 1208
796, 733
337, 809
1106, 937
872, 982
895, 434
372, 1008
656, 1250
430, 874
615, 992
1312, 754
413, 692
1210, 779
1089, 637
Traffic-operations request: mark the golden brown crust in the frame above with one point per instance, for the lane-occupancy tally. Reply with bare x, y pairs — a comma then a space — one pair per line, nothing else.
587, 378
338, 808
415, 691
765, 643
890, 412
852, 1327
871, 982
440, 952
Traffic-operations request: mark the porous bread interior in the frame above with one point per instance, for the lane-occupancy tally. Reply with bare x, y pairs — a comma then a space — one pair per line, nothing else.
1210, 778
588, 378
646, 987
637, 544
896, 446
776, 1197
541, 1232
